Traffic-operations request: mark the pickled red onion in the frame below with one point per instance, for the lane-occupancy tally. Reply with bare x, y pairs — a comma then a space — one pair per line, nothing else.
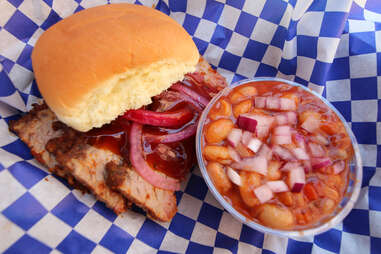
163, 119
141, 166
192, 94
187, 132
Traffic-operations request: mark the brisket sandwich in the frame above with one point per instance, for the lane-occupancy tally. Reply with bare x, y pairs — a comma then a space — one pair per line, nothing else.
123, 88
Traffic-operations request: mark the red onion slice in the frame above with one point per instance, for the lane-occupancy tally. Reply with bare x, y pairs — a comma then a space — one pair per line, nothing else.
247, 122
162, 119
185, 133
254, 144
320, 139
299, 140
277, 186
316, 150
265, 152
263, 193
338, 167
292, 117
338, 153
287, 104
260, 102
281, 140
318, 163
307, 166
311, 124
290, 166
234, 137
234, 176
188, 99
281, 119
262, 123
272, 103
257, 164
283, 153
246, 137
283, 130
192, 94
300, 153
262, 131
297, 179
141, 166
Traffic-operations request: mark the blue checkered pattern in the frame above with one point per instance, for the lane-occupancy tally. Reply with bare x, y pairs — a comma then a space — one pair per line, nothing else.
333, 47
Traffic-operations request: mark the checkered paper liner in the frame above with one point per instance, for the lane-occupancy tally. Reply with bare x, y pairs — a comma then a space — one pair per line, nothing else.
331, 46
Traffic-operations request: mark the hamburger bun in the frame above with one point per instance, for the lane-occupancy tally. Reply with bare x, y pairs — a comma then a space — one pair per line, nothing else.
94, 65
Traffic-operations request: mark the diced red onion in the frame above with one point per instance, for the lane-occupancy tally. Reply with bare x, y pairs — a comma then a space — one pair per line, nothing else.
299, 140
246, 136
316, 150
185, 133
234, 176
290, 165
307, 166
254, 144
234, 137
257, 164
233, 154
283, 153
260, 102
292, 117
297, 179
281, 119
284, 118
265, 151
300, 153
263, 193
283, 130
263, 123
277, 186
141, 166
247, 122
320, 139
272, 103
338, 166
311, 124
287, 104
338, 153
281, 140
320, 162
262, 131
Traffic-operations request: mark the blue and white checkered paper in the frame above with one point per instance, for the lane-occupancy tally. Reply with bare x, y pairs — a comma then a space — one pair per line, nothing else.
331, 46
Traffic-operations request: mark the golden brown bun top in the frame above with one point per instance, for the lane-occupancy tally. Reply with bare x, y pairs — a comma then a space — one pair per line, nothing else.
73, 58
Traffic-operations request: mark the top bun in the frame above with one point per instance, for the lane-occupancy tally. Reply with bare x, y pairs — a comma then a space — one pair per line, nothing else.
94, 65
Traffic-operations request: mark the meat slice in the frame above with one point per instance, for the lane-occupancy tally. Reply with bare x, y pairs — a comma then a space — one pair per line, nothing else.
35, 130
207, 78
66, 153
87, 164
51, 145
39, 118
158, 203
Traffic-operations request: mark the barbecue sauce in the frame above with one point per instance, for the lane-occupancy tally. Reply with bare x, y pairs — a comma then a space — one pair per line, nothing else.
173, 159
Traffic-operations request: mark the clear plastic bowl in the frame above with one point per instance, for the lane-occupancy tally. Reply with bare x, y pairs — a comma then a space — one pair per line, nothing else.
345, 206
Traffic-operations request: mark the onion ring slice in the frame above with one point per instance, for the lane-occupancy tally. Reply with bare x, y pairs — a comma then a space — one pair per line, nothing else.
192, 94
141, 166
161, 119
187, 132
